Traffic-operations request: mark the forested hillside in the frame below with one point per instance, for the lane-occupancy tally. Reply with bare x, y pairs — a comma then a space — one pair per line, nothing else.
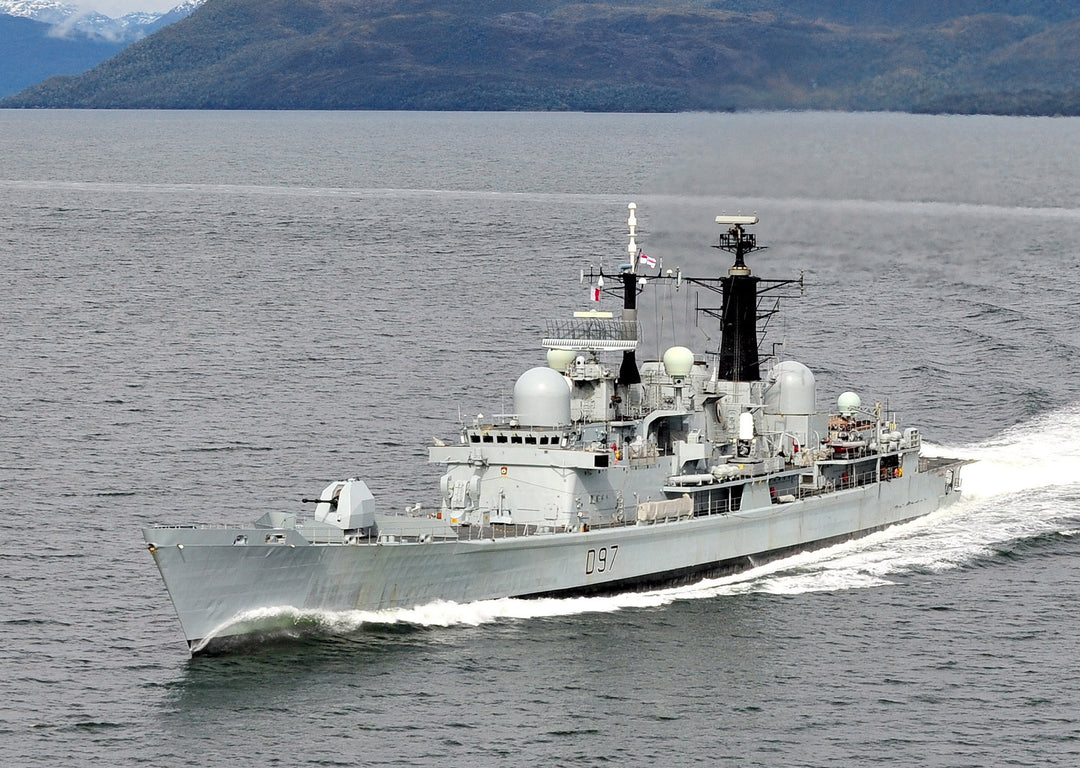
1002, 56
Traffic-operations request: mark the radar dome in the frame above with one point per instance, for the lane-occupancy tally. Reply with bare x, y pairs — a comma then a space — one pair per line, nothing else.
678, 362
791, 390
558, 359
848, 403
542, 398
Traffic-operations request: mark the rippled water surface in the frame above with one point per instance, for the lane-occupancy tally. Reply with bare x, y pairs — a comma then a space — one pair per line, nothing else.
208, 315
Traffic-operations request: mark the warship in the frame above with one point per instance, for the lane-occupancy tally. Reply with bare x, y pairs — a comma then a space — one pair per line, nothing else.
610, 475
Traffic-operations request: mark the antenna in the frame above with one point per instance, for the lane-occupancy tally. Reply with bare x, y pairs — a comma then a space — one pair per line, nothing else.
736, 241
632, 248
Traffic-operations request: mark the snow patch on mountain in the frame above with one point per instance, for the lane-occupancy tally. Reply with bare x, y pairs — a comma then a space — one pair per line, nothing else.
69, 20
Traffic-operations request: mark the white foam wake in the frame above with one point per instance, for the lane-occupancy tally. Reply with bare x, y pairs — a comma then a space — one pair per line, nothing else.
1040, 454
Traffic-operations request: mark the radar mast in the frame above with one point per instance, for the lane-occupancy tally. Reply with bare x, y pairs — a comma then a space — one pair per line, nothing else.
738, 320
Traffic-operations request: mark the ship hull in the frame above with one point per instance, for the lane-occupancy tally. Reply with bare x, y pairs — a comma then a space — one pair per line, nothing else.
222, 588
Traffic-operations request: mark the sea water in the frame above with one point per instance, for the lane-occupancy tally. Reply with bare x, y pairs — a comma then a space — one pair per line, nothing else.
210, 315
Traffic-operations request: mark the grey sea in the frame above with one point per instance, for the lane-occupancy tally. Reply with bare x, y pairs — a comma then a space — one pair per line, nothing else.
209, 315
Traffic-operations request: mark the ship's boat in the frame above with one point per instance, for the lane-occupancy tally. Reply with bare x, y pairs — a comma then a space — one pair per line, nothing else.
609, 475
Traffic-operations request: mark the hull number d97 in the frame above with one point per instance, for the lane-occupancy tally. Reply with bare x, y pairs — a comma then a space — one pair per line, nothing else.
600, 560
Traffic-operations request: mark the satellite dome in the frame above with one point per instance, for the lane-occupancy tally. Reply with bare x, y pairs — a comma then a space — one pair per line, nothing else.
678, 362
848, 403
791, 390
542, 398
558, 359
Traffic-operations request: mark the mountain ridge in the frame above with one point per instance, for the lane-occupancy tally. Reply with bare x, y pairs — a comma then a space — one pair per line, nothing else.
639, 55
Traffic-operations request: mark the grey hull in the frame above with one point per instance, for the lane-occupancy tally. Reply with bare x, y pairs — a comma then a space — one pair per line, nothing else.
221, 589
